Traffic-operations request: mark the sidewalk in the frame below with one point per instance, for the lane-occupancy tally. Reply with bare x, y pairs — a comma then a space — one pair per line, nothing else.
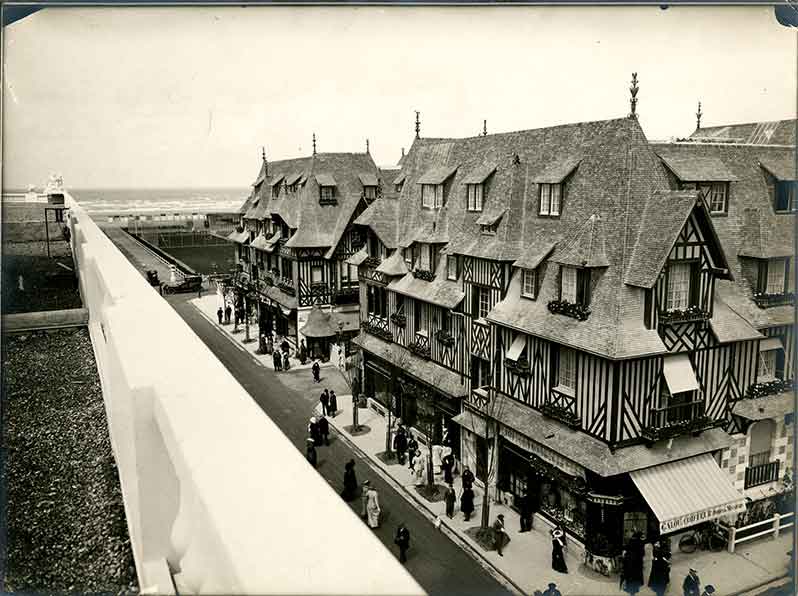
527, 558
207, 306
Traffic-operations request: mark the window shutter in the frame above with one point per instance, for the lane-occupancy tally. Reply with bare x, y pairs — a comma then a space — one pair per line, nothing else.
474, 301
583, 286
780, 361
648, 307
695, 285
555, 366
762, 278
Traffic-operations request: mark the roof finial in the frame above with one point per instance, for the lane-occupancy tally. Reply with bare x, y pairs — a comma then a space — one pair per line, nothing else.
367, 145
698, 115
265, 161
403, 151
314, 143
418, 125
633, 90
484, 128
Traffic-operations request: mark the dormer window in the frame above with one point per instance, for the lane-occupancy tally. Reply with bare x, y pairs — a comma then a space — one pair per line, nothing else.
550, 195
451, 267
529, 280
575, 285
489, 230
432, 196
716, 195
680, 281
370, 192
327, 194
780, 176
399, 182
784, 195
398, 187
370, 183
474, 197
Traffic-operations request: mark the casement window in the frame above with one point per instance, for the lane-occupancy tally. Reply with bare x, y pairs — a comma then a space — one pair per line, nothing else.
489, 230
767, 366
678, 286
529, 280
423, 257
474, 197
784, 196
370, 192
569, 284
407, 253
327, 193
716, 197
480, 372
432, 196
776, 275
550, 195
377, 301
451, 267
315, 274
761, 443
480, 301
566, 371
420, 318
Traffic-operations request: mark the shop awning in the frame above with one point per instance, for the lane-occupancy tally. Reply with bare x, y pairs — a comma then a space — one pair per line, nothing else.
471, 421
516, 348
687, 492
771, 343
318, 324
679, 374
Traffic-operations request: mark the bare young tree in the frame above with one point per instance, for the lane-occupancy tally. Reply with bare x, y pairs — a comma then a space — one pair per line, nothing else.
350, 372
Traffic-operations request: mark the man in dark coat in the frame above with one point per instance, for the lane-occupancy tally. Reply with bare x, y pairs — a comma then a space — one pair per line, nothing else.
450, 497
220, 314
286, 363
525, 511
316, 370
633, 563
324, 430
498, 534
313, 431
227, 312
311, 453
278, 361
552, 591
467, 503
692, 584
332, 408
350, 481
400, 444
284, 345
660, 575
447, 465
402, 540
412, 447
468, 478
324, 398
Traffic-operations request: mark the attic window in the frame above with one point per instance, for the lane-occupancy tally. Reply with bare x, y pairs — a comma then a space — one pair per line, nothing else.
432, 196
474, 193
575, 285
370, 192
529, 280
489, 229
327, 195
550, 195
398, 186
451, 267
716, 195
784, 196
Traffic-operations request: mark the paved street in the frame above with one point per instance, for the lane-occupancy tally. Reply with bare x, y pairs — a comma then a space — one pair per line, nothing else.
436, 562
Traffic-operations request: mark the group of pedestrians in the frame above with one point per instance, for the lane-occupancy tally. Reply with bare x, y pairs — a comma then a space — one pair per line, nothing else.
280, 358
319, 434
224, 314
370, 507
329, 403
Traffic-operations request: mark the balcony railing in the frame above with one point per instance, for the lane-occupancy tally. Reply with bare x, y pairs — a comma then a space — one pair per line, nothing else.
562, 407
347, 295
763, 300
678, 419
691, 314
762, 474
420, 346
480, 397
766, 388
378, 326
286, 284
423, 274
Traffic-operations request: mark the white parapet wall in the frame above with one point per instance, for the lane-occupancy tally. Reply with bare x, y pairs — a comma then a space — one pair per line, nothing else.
212, 487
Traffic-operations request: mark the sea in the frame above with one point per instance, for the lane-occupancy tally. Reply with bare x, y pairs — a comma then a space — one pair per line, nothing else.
120, 201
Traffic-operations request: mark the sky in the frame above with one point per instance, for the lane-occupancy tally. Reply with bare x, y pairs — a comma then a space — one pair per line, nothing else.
186, 97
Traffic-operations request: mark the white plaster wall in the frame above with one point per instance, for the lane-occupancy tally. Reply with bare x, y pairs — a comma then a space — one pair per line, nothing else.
210, 483
734, 459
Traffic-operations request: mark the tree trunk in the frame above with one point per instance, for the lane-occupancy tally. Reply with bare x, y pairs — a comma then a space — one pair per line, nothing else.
355, 424
430, 465
485, 521
388, 428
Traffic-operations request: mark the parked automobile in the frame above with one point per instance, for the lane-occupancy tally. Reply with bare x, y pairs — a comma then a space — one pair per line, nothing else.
189, 283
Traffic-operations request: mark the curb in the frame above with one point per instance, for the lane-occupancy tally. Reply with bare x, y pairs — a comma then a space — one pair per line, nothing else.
452, 534
775, 582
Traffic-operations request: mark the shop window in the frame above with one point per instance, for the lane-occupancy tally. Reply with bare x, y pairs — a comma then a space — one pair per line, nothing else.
634, 521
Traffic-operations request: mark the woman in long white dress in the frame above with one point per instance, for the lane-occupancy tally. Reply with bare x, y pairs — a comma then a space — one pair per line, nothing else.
373, 508
420, 467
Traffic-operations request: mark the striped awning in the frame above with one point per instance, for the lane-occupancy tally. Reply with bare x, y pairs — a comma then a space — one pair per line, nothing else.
687, 492
516, 348
770, 343
679, 374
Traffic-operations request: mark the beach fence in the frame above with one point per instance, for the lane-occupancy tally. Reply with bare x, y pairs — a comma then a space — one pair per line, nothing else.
770, 527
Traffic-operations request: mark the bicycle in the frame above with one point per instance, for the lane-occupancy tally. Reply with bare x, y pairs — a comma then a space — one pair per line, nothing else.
706, 537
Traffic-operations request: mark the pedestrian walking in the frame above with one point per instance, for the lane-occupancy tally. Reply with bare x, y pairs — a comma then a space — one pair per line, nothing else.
278, 362
332, 408
400, 444
373, 507
324, 430
286, 363
557, 551
284, 345
524, 509
420, 467
303, 352
350, 481
324, 398
199, 291
364, 499
402, 540
467, 503
450, 498
412, 448
316, 371
220, 315
692, 584
552, 591
311, 452
313, 431
629, 575
447, 463
498, 534
467, 478
660, 575
227, 312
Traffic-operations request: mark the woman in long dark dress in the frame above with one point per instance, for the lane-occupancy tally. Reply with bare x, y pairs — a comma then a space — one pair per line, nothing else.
467, 503
660, 575
350, 481
557, 546
311, 453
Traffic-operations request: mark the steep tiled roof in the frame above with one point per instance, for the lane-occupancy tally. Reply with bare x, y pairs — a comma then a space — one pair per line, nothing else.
586, 248
728, 326
557, 171
779, 169
319, 324
382, 216
534, 254
749, 190
704, 169
780, 132
393, 265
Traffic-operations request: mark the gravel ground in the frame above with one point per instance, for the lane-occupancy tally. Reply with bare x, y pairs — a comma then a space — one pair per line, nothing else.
66, 528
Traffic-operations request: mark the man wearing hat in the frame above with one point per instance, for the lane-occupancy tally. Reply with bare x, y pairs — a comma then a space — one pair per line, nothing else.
692, 584
498, 534
311, 452
552, 591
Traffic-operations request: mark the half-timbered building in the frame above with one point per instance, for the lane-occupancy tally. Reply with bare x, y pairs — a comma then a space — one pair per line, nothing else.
296, 236
746, 175
551, 299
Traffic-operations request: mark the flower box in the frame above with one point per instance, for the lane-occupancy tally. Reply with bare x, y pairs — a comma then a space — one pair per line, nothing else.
371, 262
557, 413
420, 349
520, 367
768, 388
690, 314
399, 319
377, 331
423, 274
444, 337
579, 312
764, 300
681, 427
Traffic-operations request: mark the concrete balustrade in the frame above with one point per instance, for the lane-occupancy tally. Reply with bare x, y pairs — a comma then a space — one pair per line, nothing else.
211, 485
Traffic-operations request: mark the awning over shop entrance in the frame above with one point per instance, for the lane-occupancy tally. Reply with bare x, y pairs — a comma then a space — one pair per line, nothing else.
471, 421
679, 374
687, 492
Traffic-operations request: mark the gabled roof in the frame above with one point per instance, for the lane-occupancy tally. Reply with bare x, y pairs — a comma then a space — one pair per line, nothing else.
663, 219
382, 216
557, 171
762, 239
400, 178
319, 324
293, 178
394, 265
490, 217
325, 180
779, 169
586, 248
534, 254
779, 132
437, 175
480, 174
698, 169
368, 179
276, 180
